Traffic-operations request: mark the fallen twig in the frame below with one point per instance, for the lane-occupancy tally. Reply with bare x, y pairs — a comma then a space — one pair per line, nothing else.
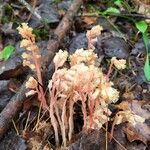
11, 109
32, 10
15, 104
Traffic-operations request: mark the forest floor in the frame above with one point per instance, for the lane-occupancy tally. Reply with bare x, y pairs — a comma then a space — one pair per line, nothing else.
23, 123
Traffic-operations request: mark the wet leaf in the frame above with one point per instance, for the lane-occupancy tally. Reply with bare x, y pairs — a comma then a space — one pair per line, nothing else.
141, 26
7, 51
140, 131
136, 106
145, 39
147, 68
118, 2
111, 10
133, 135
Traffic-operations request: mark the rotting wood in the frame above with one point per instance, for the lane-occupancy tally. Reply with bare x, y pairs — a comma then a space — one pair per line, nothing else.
16, 102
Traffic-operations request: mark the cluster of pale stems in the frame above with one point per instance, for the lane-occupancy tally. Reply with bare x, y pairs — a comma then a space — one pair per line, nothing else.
82, 81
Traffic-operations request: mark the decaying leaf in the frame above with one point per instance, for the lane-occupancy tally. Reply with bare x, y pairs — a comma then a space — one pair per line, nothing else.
136, 133
140, 130
39, 140
89, 20
128, 116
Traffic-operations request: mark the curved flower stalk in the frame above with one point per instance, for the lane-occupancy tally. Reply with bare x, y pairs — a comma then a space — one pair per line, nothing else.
32, 57
51, 111
119, 64
55, 94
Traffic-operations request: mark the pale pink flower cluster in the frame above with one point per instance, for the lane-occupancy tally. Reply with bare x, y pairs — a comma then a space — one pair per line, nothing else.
94, 32
29, 44
25, 31
100, 117
92, 35
84, 76
32, 59
60, 58
84, 82
119, 64
31, 83
81, 55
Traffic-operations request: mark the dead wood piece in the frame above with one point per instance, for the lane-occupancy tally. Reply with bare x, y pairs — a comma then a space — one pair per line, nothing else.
32, 10
10, 111
15, 104
61, 31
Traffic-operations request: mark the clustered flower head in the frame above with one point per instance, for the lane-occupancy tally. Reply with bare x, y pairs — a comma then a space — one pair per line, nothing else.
31, 83
82, 81
29, 44
119, 64
94, 32
81, 55
26, 31
100, 117
32, 59
92, 35
84, 76
60, 58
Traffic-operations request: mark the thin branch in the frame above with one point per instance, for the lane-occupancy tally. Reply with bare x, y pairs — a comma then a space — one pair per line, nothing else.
32, 10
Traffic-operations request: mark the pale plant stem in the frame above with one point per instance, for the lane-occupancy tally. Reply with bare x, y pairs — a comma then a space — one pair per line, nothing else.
113, 126
63, 122
109, 72
84, 114
91, 108
71, 126
53, 119
107, 131
57, 115
54, 124
83, 100
39, 76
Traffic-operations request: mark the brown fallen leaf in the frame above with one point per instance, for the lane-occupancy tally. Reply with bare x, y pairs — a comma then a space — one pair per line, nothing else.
136, 106
89, 20
124, 105
133, 135
139, 131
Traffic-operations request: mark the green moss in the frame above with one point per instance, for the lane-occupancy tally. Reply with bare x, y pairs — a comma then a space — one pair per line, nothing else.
41, 34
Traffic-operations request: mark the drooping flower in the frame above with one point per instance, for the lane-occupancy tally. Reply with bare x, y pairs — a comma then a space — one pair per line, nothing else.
92, 36
94, 32
81, 55
31, 83
109, 93
100, 116
25, 43
60, 58
32, 57
26, 31
119, 64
